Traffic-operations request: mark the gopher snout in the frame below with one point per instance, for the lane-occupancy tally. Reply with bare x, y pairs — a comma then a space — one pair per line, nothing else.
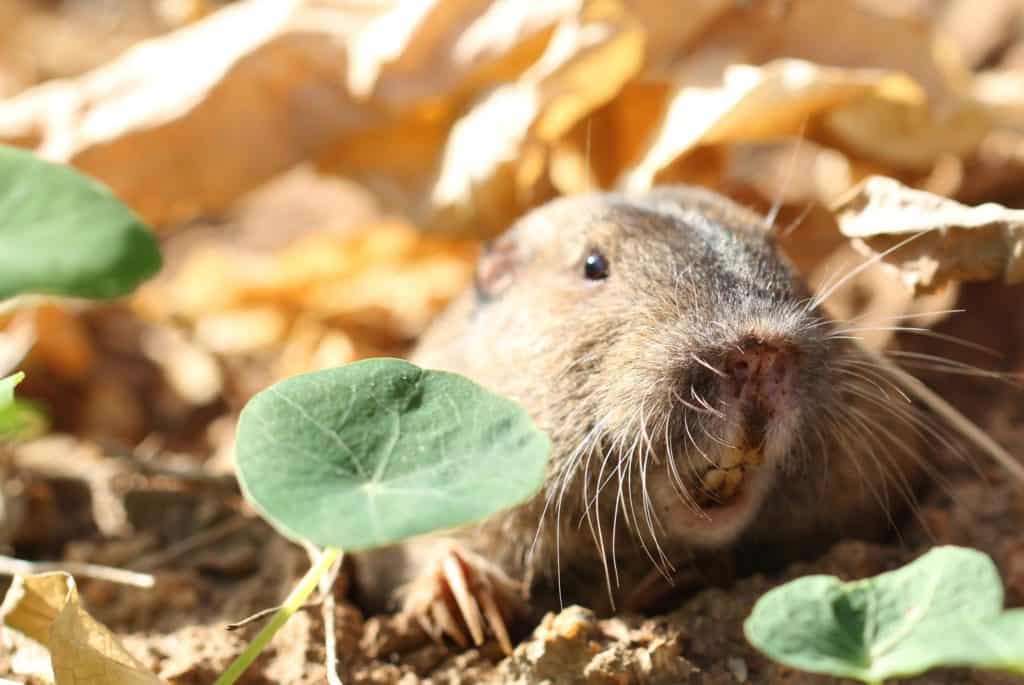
759, 378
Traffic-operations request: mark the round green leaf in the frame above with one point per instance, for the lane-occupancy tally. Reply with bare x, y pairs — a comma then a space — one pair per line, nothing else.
62, 233
380, 450
944, 609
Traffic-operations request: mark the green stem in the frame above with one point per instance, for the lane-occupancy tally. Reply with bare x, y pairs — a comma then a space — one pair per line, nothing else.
295, 600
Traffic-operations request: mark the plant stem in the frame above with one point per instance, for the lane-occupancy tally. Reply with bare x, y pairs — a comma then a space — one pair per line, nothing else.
295, 600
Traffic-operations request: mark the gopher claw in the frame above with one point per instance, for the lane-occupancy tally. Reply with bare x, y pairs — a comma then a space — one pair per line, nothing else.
461, 591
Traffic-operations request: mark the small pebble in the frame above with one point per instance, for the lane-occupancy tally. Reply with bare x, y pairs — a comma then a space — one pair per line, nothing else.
738, 668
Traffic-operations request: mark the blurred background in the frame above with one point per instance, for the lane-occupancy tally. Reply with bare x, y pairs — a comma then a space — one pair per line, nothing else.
320, 174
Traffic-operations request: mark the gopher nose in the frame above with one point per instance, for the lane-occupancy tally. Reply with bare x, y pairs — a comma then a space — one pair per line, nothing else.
760, 376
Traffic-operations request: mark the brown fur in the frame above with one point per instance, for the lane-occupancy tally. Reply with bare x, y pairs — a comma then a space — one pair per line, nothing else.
604, 366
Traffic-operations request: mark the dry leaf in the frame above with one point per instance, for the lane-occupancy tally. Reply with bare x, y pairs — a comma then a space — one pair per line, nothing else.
994, 170
757, 33
957, 242
1002, 92
755, 104
170, 124
793, 172
928, 101
318, 299
424, 50
979, 35
241, 331
873, 302
63, 344
908, 135
16, 340
46, 608
465, 113
189, 369
495, 155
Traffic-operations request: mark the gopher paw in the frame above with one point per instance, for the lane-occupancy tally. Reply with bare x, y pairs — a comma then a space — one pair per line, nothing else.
460, 590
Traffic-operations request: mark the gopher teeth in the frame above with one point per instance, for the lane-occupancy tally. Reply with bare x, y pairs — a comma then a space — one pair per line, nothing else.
733, 457
733, 478
721, 483
714, 479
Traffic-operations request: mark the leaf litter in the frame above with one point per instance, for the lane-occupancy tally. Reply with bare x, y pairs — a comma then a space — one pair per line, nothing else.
230, 129
47, 609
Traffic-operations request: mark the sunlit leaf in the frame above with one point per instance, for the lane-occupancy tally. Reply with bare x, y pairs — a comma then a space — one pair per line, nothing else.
944, 609
46, 608
380, 450
959, 242
7, 386
9, 411
64, 234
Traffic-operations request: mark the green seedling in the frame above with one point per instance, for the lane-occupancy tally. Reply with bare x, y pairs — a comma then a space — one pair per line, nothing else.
8, 408
7, 386
62, 233
18, 418
944, 609
375, 452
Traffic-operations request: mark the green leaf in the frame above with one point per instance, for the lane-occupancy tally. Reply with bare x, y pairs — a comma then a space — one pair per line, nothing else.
23, 420
62, 233
944, 609
381, 450
7, 386
11, 411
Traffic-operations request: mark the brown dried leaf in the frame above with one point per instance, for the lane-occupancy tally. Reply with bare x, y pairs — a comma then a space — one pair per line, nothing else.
467, 112
16, 340
62, 342
980, 35
875, 298
757, 33
425, 50
919, 88
83, 651
793, 172
170, 124
189, 369
1002, 91
494, 158
318, 299
956, 242
908, 134
752, 104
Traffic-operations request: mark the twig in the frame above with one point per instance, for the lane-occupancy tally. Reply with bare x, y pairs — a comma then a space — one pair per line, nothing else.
263, 613
327, 612
12, 567
200, 539
143, 459
958, 421
329, 579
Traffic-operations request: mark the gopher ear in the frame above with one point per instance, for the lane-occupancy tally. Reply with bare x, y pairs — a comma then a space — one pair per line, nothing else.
497, 266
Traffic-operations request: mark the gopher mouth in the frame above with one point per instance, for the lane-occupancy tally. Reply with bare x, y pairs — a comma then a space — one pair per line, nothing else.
725, 498
732, 475
729, 488
718, 485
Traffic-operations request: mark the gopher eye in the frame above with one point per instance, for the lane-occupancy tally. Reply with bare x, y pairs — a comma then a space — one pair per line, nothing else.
596, 267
